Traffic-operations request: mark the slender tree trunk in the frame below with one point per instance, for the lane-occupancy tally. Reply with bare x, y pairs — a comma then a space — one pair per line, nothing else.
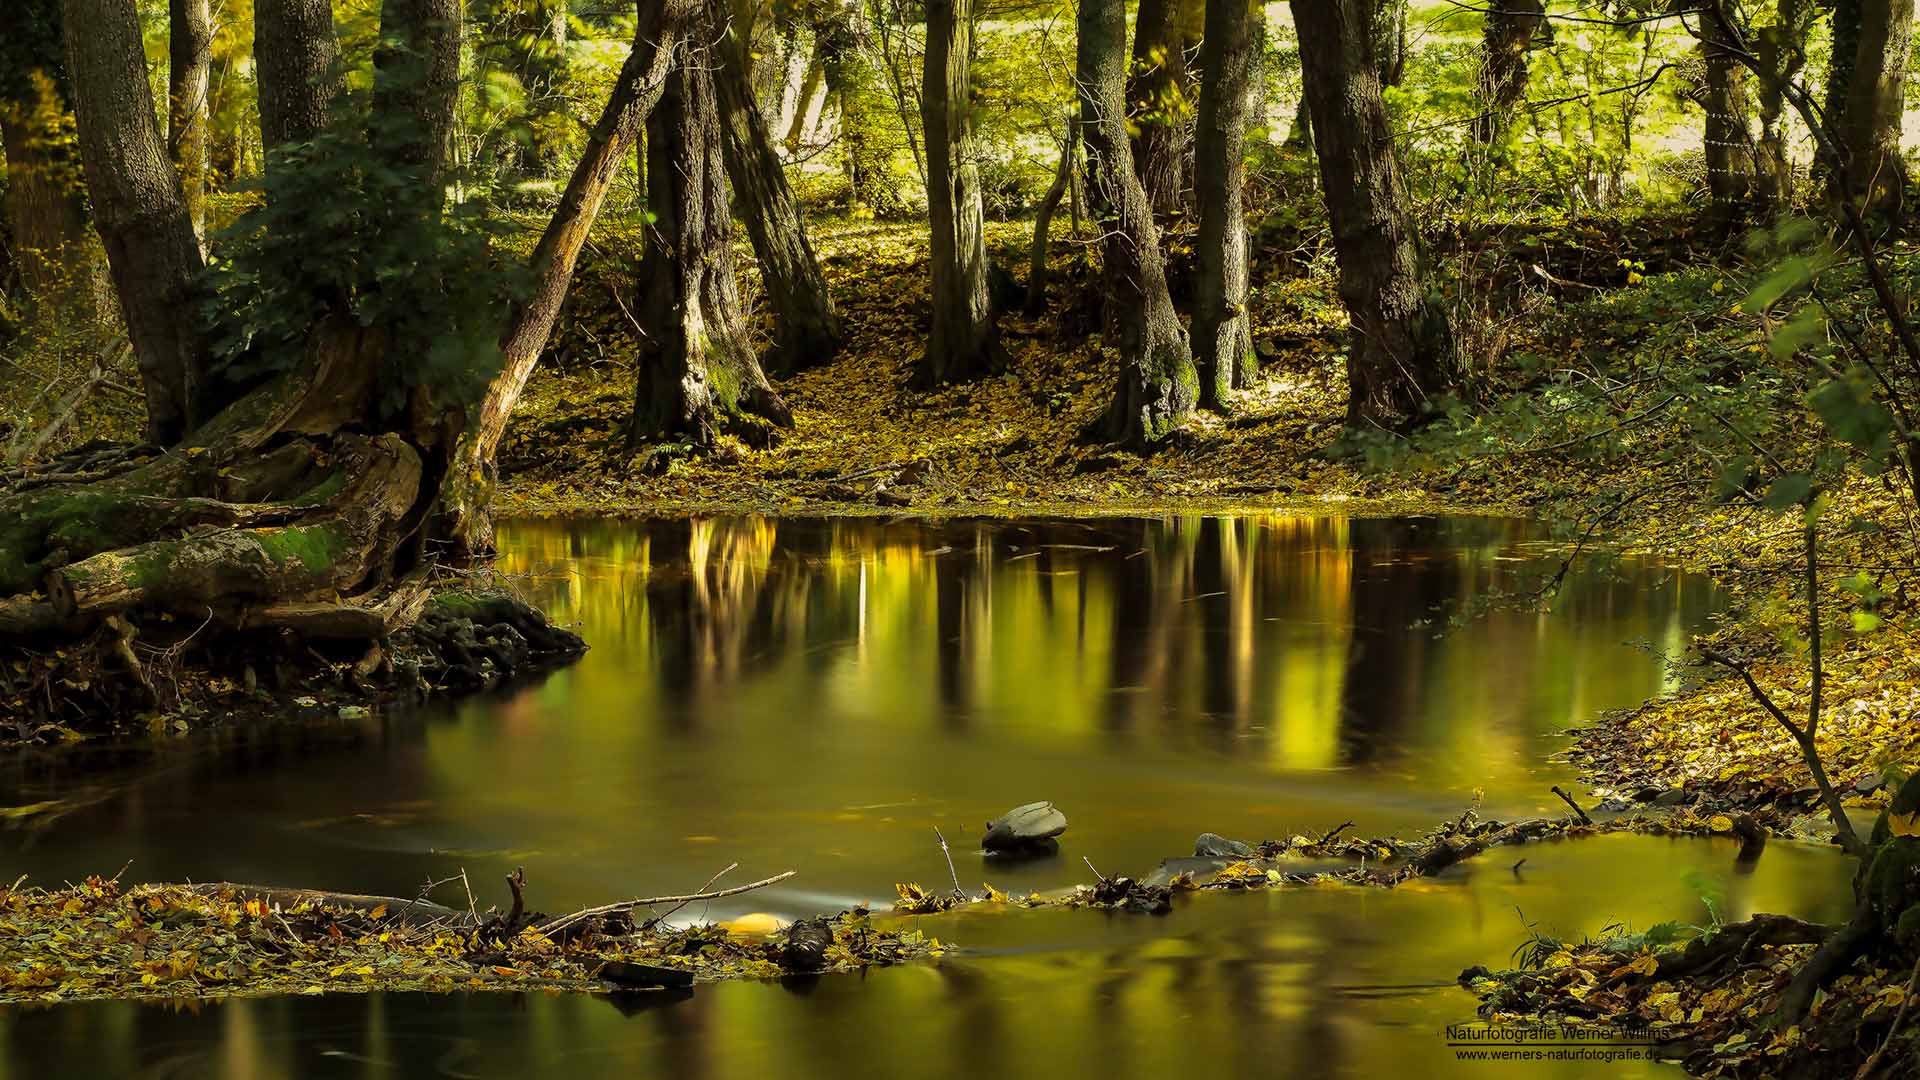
189, 64
643, 80
1402, 355
1390, 40
1043, 220
1511, 27
1157, 385
809, 100
1300, 135
1160, 97
1729, 146
1875, 97
805, 329
1222, 332
1782, 51
416, 83
964, 340
697, 369
297, 68
138, 209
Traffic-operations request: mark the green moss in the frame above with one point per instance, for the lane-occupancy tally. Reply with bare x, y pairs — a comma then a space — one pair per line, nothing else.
316, 547
324, 491
724, 381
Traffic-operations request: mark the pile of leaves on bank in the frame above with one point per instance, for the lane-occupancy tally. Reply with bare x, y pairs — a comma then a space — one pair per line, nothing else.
1708, 995
168, 941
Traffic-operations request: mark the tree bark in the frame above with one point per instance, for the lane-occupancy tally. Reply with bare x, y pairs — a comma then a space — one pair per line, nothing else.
964, 341
45, 195
297, 68
696, 369
1160, 96
1390, 40
1157, 385
416, 83
1222, 332
1729, 145
1875, 96
806, 331
637, 92
1043, 220
1401, 358
189, 66
138, 208
1511, 27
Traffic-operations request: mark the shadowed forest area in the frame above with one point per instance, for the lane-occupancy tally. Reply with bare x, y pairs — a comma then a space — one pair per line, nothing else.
470, 457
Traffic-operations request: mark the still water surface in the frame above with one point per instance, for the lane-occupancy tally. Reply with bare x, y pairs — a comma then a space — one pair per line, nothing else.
820, 695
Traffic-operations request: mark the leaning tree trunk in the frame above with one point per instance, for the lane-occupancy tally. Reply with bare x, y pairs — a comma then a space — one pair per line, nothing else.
1875, 99
297, 68
697, 369
1728, 142
1511, 28
189, 64
643, 79
806, 331
1063, 175
1159, 98
1402, 357
138, 209
1222, 332
45, 197
964, 340
1157, 385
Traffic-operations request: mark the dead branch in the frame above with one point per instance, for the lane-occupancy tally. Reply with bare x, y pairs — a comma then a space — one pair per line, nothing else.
565, 921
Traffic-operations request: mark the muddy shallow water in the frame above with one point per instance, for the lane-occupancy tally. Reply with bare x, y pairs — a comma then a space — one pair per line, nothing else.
820, 695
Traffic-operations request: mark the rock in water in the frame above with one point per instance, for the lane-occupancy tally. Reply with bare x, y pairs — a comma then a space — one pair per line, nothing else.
807, 943
1025, 828
1215, 846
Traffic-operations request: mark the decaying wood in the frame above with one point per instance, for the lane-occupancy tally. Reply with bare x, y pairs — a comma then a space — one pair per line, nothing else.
556, 925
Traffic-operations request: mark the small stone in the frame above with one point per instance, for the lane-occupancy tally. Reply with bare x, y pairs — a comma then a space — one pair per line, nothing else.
1869, 783
1215, 846
643, 976
1026, 826
1671, 797
807, 943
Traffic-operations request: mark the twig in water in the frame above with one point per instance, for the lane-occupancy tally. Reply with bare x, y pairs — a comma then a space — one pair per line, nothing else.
472, 908
1333, 832
565, 921
1568, 799
1095, 869
724, 871
1516, 867
957, 890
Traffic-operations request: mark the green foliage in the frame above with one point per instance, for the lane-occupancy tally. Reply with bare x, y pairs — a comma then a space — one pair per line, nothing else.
341, 231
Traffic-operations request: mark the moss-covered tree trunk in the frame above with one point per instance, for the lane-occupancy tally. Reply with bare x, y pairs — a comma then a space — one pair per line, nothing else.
1157, 386
964, 340
806, 330
1222, 332
697, 371
1401, 358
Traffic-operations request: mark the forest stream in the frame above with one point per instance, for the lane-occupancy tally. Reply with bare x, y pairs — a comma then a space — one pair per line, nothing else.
818, 695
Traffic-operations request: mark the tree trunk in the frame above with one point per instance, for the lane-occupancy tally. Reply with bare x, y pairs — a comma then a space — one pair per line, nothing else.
1389, 40
1157, 385
806, 331
1729, 145
1875, 96
1043, 220
810, 100
1511, 27
138, 209
189, 65
1402, 355
297, 68
964, 340
1300, 135
1222, 332
642, 81
45, 196
696, 368
1160, 97
416, 83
